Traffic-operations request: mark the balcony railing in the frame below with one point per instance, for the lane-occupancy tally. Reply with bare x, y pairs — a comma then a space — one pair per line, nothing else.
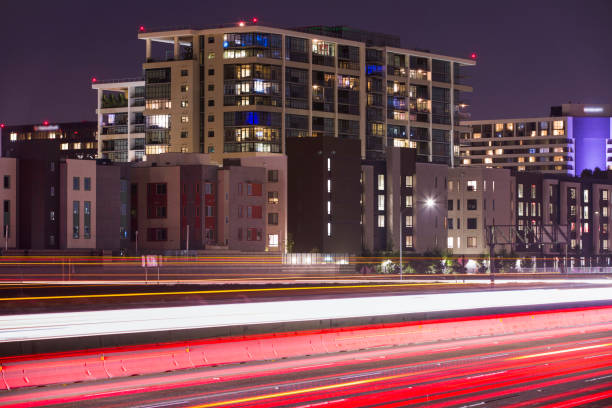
115, 130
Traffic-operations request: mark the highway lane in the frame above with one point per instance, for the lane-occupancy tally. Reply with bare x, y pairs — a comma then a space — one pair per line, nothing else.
37, 298
546, 368
33, 327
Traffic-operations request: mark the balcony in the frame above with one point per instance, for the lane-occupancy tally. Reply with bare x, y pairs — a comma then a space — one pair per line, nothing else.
139, 128
115, 130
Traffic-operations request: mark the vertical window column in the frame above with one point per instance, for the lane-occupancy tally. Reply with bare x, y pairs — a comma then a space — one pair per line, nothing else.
75, 219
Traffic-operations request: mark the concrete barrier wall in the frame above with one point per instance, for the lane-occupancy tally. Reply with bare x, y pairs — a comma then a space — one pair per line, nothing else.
38, 370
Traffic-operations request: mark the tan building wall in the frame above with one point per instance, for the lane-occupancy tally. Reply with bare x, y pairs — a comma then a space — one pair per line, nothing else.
170, 175
429, 188
491, 191
8, 171
275, 203
80, 170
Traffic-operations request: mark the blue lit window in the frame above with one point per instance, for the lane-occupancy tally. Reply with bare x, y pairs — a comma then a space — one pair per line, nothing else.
225, 44
374, 69
532, 150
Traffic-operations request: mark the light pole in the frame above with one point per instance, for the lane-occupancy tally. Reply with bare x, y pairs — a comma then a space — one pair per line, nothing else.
136, 242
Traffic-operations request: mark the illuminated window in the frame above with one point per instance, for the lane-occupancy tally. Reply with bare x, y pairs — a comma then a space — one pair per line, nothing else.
558, 124
477, 135
408, 241
472, 185
381, 202
184, 119
52, 135
510, 126
409, 221
329, 186
585, 196
381, 221
499, 127
585, 212
408, 201
533, 191
409, 181
329, 207
64, 146
184, 104
381, 181
13, 136
323, 48
273, 240
329, 229
604, 195
449, 242
211, 55
471, 242
604, 211
184, 88
488, 160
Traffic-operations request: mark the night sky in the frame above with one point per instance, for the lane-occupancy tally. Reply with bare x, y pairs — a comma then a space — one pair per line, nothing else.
532, 54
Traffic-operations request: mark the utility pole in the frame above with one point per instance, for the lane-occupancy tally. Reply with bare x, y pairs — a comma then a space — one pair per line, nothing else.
136, 242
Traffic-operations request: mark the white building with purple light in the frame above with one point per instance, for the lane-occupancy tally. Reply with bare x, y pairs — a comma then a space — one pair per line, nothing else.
573, 138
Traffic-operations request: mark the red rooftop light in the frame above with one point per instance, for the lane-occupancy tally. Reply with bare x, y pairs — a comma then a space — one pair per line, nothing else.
254, 20
141, 28
473, 56
46, 123
1, 125
241, 23
94, 80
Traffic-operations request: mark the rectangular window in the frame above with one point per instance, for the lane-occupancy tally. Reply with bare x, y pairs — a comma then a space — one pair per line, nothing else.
521, 209
272, 176
272, 197
381, 221
604, 195
87, 219
272, 218
471, 242
408, 201
409, 181
211, 102
472, 185
450, 224
381, 182
76, 183
472, 205
519, 191
408, 241
533, 191
381, 202
87, 183
7, 218
51, 215
472, 223
254, 189
449, 242
273, 240
604, 211
409, 221
157, 234
585, 212
7, 181
184, 72
585, 196
449, 206
184, 88
184, 119
75, 220
211, 71
329, 229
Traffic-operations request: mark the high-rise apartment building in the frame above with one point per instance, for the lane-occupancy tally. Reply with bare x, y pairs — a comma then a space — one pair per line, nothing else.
573, 138
240, 90
121, 124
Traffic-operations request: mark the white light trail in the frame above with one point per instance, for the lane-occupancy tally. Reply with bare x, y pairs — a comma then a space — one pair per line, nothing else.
108, 322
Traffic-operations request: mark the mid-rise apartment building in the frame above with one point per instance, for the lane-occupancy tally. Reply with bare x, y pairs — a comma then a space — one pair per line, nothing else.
479, 200
185, 202
240, 90
573, 138
561, 217
9, 198
121, 123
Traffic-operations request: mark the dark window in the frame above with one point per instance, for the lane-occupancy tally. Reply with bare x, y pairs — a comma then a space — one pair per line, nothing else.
273, 218
458, 204
75, 219
472, 205
211, 87
472, 223
87, 219
7, 218
157, 234
450, 205
211, 133
76, 183
211, 40
184, 134
211, 102
450, 223
272, 176
184, 72
211, 118
211, 71
7, 181
87, 183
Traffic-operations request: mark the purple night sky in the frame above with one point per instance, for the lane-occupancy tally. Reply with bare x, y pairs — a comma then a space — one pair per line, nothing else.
532, 54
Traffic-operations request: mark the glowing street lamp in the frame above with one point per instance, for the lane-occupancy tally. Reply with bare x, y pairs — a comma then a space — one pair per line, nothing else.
430, 202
